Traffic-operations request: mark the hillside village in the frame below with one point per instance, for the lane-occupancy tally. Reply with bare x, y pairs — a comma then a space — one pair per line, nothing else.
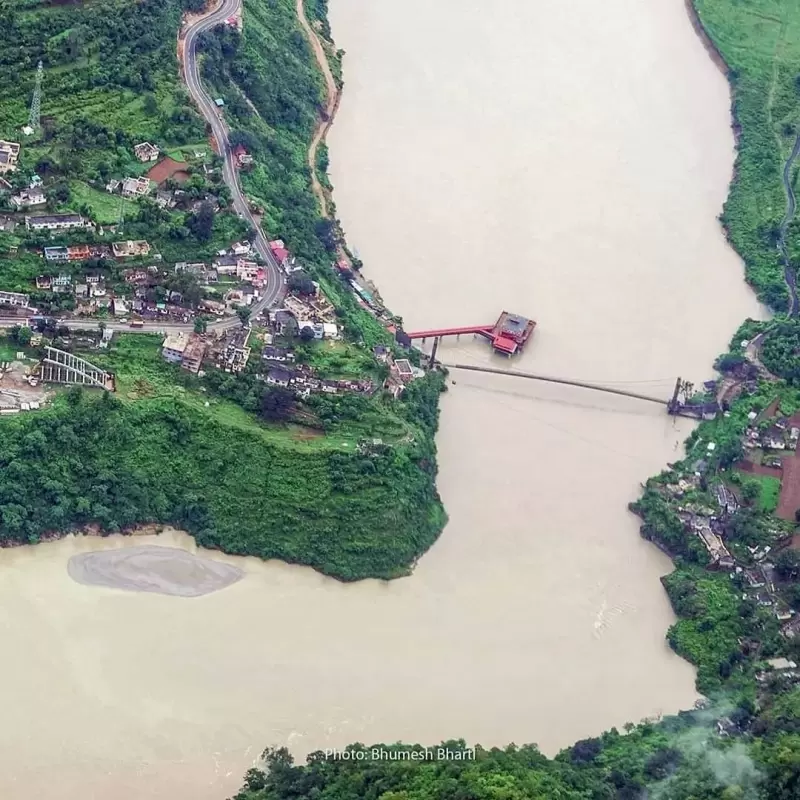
734, 502
99, 278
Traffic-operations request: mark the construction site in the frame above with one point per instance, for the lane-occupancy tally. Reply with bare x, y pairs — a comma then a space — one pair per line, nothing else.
21, 388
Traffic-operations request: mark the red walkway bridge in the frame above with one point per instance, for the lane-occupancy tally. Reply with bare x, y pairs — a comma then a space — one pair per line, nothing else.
481, 330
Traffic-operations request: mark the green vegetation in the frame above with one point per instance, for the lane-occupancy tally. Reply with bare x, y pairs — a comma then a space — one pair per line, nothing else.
93, 459
760, 42
769, 490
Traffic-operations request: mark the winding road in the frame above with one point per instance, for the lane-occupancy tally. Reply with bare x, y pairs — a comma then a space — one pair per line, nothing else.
791, 206
275, 284
331, 100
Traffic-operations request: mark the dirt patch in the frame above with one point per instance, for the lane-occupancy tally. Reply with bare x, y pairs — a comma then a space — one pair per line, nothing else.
163, 570
759, 469
789, 500
307, 434
168, 168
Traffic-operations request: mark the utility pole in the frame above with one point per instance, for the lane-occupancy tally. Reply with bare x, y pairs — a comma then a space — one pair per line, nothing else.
34, 119
432, 361
673, 405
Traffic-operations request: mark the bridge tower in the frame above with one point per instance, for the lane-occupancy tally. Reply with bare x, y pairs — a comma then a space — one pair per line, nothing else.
34, 118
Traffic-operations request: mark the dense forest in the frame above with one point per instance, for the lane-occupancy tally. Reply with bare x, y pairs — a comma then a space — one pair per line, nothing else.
678, 759
116, 464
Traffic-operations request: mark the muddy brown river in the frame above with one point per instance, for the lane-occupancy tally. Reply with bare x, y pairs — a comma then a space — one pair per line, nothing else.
565, 161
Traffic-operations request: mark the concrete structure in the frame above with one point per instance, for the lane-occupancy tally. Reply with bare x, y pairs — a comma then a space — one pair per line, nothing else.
174, 347
121, 308
193, 354
135, 187
403, 370
55, 222
130, 249
14, 299
146, 152
61, 367
279, 376
9, 155
56, 254
28, 198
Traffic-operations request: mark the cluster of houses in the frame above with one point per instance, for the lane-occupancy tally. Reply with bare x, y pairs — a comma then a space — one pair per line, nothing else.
770, 432
280, 370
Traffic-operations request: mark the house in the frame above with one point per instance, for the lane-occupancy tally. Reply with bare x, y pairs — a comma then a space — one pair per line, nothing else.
43, 282
173, 348
79, 252
212, 306
279, 376
243, 158
754, 578
330, 330
193, 354
146, 152
240, 248
113, 185
226, 265
55, 222
165, 199
278, 354
136, 187
28, 198
402, 370
219, 102
280, 252
14, 299
62, 283
130, 249
120, 307
247, 270
93, 277
381, 353
284, 322
135, 275
56, 253
9, 155
81, 289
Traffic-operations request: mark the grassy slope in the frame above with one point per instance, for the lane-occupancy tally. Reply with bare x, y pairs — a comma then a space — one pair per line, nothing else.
760, 42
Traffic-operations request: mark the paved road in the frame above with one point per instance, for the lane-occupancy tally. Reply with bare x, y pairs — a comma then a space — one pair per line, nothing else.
120, 327
274, 286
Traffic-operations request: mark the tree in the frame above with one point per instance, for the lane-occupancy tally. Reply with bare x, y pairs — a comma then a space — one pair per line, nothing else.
276, 403
301, 283
200, 325
787, 564
307, 334
201, 223
21, 334
243, 312
751, 491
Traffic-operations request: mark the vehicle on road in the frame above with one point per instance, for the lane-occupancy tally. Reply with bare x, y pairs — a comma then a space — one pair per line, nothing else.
137, 323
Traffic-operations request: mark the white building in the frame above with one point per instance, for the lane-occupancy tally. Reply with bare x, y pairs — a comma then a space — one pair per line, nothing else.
55, 222
146, 152
174, 347
28, 198
14, 299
